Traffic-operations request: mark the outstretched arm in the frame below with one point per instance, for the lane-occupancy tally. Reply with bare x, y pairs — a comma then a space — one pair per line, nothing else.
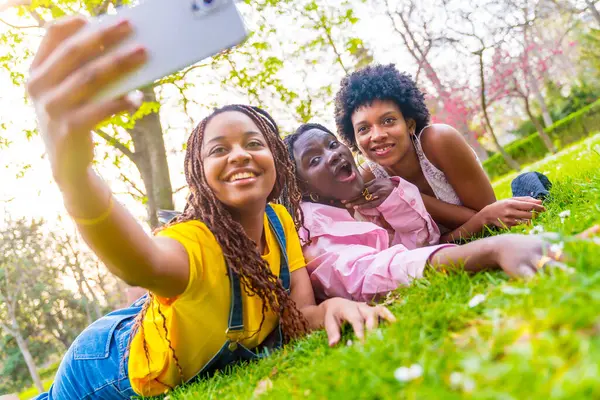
69, 69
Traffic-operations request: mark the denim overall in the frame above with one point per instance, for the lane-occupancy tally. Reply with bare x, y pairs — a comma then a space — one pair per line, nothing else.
95, 366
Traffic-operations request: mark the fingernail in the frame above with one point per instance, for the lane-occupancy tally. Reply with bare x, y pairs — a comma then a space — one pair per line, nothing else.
123, 25
139, 52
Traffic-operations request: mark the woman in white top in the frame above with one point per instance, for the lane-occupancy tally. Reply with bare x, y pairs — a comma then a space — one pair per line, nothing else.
381, 113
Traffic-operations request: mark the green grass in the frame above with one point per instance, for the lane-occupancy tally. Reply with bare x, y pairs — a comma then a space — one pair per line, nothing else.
536, 340
32, 392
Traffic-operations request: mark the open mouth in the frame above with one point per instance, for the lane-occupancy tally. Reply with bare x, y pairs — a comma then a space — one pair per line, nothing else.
345, 172
382, 150
240, 178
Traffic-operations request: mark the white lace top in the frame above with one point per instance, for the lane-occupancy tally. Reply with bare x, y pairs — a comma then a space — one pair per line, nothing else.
436, 178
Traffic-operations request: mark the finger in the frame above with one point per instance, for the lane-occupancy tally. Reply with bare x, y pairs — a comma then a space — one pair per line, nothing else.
588, 233
56, 32
75, 52
521, 215
89, 80
89, 116
372, 185
355, 318
376, 202
356, 202
528, 199
505, 222
559, 265
527, 206
332, 327
557, 255
525, 271
386, 314
370, 315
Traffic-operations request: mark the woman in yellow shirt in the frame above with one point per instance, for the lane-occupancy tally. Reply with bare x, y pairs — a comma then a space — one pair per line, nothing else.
226, 279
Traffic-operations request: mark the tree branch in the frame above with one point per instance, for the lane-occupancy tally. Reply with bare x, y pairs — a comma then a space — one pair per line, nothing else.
14, 3
117, 144
18, 27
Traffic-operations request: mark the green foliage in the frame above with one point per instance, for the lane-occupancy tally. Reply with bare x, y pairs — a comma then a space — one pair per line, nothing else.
527, 150
590, 51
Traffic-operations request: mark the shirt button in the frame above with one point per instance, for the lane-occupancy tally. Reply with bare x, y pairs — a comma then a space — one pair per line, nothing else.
413, 202
232, 346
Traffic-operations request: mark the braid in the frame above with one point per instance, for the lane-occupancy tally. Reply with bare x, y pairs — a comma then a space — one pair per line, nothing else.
239, 250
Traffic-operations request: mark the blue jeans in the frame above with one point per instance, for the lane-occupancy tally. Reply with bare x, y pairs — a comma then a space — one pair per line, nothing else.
95, 366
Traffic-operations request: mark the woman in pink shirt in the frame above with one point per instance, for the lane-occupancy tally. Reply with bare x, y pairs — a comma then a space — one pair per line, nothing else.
362, 241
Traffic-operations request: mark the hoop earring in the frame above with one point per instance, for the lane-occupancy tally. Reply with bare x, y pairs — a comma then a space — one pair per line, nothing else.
314, 197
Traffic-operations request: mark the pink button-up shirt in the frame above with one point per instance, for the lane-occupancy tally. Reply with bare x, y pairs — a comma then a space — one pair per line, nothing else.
361, 258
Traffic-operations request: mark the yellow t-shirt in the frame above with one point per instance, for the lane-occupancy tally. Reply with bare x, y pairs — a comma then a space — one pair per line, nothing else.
197, 319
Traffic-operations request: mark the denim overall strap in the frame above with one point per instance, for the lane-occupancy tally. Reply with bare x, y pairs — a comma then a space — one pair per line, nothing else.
277, 228
232, 351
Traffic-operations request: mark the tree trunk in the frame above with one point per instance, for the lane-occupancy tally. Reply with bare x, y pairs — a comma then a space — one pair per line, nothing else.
24, 348
473, 142
151, 160
594, 10
535, 88
420, 57
540, 129
509, 160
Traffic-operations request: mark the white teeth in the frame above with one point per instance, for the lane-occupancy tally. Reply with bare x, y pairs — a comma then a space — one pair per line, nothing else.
241, 175
382, 149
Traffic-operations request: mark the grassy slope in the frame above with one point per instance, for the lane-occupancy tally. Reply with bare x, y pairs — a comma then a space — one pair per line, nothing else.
537, 342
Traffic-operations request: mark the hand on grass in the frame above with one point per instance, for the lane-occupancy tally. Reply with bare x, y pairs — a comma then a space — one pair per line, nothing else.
523, 256
510, 212
359, 315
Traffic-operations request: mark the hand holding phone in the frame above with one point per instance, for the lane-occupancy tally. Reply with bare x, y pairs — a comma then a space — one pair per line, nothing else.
82, 70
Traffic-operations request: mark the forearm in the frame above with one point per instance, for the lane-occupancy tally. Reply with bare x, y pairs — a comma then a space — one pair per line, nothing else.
315, 315
446, 214
118, 240
474, 256
473, 226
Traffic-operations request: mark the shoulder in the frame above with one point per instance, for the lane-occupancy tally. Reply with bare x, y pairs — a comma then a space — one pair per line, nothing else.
441, 142
284, 217
281, 212
189, 231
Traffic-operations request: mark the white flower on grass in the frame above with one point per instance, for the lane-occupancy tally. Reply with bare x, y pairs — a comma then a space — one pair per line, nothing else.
537, 230
349, 343
407, 374
515, 291
476, 300
564, 215
461, 382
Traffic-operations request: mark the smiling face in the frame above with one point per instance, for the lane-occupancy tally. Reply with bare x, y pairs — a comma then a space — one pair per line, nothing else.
325, 167
238, 163
382, 133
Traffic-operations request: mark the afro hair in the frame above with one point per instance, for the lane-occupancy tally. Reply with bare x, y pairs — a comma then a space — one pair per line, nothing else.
378, 82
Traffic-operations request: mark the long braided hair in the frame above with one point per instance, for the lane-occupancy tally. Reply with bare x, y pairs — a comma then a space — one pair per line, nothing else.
240, 252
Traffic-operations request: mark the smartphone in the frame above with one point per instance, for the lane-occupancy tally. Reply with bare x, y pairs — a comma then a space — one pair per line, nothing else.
176, 34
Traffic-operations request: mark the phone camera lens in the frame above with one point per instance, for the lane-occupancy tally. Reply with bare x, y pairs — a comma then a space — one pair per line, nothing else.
208, 2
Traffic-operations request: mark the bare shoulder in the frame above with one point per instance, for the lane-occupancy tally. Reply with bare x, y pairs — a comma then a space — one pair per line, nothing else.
442, 143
